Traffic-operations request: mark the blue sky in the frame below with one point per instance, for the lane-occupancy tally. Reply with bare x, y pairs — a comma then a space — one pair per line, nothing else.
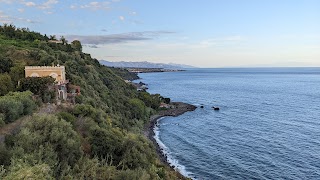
203, 33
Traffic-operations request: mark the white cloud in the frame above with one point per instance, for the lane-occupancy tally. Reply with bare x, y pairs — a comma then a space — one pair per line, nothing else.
221, 41
21, 10
122, 18
29, 4
8, 1
48, 5
4, 18
94, 5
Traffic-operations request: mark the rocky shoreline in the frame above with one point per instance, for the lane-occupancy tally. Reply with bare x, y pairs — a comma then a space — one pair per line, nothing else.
179, 109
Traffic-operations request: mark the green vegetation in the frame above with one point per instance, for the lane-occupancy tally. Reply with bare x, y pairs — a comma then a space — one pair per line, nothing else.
123, 73
100, 137
15, 105
39, 86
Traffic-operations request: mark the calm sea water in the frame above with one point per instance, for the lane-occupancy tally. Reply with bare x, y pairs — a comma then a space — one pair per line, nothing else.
268, 126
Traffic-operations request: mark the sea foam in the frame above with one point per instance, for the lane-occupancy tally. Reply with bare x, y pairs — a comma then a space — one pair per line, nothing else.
169, 157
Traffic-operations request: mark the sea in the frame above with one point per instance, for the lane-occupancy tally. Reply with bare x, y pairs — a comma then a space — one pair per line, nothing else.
268, 125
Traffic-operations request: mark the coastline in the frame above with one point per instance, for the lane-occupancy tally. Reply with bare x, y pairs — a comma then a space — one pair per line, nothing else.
180, 108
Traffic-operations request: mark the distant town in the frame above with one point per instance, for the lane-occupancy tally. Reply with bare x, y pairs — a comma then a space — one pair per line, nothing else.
150, 70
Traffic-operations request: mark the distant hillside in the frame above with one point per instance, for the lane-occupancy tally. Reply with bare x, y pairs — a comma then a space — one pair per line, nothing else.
144, 64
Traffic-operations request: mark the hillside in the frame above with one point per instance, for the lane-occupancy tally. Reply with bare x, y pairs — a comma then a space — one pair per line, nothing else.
144, 64
98, 137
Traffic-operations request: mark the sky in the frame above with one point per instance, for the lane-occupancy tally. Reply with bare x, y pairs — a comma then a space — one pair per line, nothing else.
202, 33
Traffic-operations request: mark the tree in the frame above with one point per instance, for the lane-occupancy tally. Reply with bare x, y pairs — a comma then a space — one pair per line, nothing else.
16, 73
21, 170
15, 105
137, 153
9, 30
53, 37
12, 109
138, 108
63, 40
152, 101
46, 37
5, 84
41, 86
49, 140
76, 45
5, 64
107, 144
37, 85
166, 100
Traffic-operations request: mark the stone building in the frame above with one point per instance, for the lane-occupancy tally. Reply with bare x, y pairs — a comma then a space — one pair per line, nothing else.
57, 72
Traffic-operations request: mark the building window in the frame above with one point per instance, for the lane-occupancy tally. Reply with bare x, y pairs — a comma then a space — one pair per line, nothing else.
54, 75
34, 75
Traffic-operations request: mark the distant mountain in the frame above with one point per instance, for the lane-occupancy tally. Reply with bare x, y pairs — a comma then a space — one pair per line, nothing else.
144, 64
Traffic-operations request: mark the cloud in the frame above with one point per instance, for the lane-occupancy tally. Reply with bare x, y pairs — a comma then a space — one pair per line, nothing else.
8, 1
122, 18
11, 19
48, 5
29, 4
91, 46
44, 5
94, 5
221, 41
118, 38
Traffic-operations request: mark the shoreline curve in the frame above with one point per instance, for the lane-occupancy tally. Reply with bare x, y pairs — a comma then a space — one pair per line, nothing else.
180, 108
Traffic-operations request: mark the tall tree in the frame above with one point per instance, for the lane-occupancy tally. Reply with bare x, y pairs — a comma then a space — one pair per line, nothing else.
5, 64
53, 37
63, 40
76, 45
5, 84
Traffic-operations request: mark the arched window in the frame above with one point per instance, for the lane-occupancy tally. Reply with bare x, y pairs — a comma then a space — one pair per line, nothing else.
54, 75
34, 75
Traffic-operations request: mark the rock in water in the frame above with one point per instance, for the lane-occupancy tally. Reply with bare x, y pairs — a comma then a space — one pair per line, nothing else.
216, 108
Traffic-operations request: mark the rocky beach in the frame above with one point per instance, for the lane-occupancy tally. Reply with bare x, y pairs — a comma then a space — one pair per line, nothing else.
178, 108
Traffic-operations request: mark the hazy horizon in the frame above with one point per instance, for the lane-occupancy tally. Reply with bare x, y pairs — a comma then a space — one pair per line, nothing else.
198, 33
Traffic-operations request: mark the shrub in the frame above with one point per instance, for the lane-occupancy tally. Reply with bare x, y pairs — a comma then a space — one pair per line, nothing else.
66, 116
15, 105
83, 110
50, 140
21, 170
5, 84
38, 86
2, 123
5, 155
11, 108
